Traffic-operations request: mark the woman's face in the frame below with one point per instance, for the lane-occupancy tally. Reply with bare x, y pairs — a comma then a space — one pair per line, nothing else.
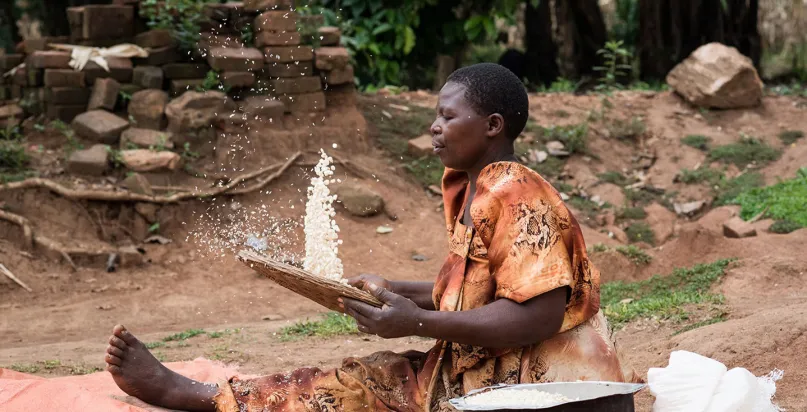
459, 134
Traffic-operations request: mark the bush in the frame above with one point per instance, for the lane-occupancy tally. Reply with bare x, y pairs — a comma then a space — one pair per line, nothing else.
627, 129
784, 227
727, 190
789, 137
13, 157
748, 150
640, 232
632, 213
697, 141
782, 201
702, 175
614, 177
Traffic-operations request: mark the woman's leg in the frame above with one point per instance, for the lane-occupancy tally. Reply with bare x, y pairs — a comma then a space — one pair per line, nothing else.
138, 373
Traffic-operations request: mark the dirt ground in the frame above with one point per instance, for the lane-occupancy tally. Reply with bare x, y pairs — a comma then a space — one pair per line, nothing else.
195, 283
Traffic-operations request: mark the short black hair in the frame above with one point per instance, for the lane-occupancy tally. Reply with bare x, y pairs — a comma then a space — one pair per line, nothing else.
492, 88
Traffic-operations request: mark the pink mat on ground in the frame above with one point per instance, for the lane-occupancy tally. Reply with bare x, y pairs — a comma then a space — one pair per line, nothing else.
96, 392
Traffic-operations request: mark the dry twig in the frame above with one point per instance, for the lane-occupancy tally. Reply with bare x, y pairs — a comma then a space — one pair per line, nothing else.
11, 276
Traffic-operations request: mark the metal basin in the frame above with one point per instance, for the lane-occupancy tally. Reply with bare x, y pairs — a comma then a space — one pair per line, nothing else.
588, 396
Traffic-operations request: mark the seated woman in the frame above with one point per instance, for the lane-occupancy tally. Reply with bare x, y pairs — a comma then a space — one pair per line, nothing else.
517, 300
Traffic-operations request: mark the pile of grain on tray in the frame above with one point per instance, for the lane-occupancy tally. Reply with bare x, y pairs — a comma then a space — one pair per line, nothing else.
497, 398
321, 231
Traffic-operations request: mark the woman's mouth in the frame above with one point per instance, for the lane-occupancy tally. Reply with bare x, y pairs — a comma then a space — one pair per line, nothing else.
438, 147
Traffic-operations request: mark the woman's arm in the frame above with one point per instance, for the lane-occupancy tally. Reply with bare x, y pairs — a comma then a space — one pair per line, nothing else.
418, 292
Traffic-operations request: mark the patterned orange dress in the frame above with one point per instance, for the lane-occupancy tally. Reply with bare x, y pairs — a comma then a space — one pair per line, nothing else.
524, 242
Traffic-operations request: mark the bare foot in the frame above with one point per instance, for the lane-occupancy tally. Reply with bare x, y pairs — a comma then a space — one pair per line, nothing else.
138, 373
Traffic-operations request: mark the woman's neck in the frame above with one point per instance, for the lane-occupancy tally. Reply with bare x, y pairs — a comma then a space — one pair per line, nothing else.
503, 154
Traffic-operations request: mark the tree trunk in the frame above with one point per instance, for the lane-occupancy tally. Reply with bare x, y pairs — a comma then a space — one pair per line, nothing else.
540, 50
580, 32
670, 30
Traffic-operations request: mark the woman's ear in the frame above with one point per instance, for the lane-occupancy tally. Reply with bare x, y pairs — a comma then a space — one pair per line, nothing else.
495, 125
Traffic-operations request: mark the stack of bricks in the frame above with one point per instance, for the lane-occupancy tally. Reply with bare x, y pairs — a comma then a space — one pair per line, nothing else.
333, 63
9, 85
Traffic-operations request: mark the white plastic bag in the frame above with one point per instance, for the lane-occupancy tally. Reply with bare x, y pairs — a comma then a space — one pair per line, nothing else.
738, 391
686, 384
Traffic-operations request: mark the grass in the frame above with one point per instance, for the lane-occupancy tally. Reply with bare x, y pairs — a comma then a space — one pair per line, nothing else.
663, 297
747, 151
560, 85
627, 129
640, 232
727, 190
574, 137
782, 201
784, 227
697, 141
639, 197
614, 177
551, 167
631, 213
190, 333
702, 175
636, 255
789, 137
710, 321
332, 324
53, 365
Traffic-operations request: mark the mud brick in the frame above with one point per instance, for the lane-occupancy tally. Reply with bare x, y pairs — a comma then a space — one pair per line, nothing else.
304, 103
237, 79
48, 60
270, 38
329, 36
149, 77
175, 71
297, 85
99, 126
63, 78
120, 69
68, 95
160, 56
93, 161
263, 5
343, 95
263, 107
338, 76
10, 61
330, 58
229, 59
145, 138
105, 42
289, 69
35, 77
276, 20
65, 113
104, 94
107, 21
30, 46
288, 54
75, 20
209, 41
183, 85
155, 39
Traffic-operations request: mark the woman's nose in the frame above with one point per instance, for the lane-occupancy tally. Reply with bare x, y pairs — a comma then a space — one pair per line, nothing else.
436, 128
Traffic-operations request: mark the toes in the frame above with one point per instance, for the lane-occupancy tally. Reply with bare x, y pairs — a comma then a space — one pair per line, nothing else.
112, 360
117, 342
112, 350
113, 369
121, 332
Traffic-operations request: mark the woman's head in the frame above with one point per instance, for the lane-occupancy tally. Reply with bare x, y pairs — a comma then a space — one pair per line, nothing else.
481, 110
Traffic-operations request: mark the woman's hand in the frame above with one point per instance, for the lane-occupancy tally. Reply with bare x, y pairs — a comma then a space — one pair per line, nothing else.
363, 282
398, 317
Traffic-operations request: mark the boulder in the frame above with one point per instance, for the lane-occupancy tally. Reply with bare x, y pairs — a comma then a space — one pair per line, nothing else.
137, 183
147, 108
195, 110
359, 200
99, 126
145, 139
689, 208
717, 76
104, 94
93, 161
738, 228
144, 160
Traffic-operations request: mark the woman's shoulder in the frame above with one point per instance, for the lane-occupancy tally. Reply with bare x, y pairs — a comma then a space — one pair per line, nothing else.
510, 182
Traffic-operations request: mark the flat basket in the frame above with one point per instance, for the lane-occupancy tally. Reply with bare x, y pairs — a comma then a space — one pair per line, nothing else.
320, 290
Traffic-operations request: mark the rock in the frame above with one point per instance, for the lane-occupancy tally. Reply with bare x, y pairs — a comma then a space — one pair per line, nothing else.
329, 58
143, 160
194, 110
304, 103
99, 126
146, 139
537, 156
296, 85
155, 39
263, 107
341, 75
148, 77
608, 192
383, 230
689, 208
289, 69
63, 78
712, 221
235, 60
48, 60
557, 149
270, 38
161, 240
737, 228
104, 94
419, 258
435, 190
717, 76
93, 161
137, 183
177, 87
148, 211
329, 35
276, 21
273, 317
661, 221
237, 79
288, 54
359, 200
185, 71
68, 95
421, 146
147, 108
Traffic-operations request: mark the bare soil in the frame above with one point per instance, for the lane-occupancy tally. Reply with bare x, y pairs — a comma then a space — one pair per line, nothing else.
192, 283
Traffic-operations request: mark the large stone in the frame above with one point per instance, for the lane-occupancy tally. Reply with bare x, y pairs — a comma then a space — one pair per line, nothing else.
48, 60
195, 110
298, 69
304, 103
67, 95
329, 36
738, 228
235, 60
296, 85
137, 183
237, 79
329, 58
276, 20
104, 94
155, 39
263, 5
421, 146
99, 126
185, 70
271, 38
93, 161
717, 76
147, 108
343, 75
263, 107
288, 54
148, 77
136, 138
63, 78
359, 200
144, 160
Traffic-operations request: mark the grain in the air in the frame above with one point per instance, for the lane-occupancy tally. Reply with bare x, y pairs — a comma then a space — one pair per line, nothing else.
500, 397
321, 231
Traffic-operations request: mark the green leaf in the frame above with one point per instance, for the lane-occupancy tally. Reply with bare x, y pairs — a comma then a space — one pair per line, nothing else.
154, 228
382, 29
409, 42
